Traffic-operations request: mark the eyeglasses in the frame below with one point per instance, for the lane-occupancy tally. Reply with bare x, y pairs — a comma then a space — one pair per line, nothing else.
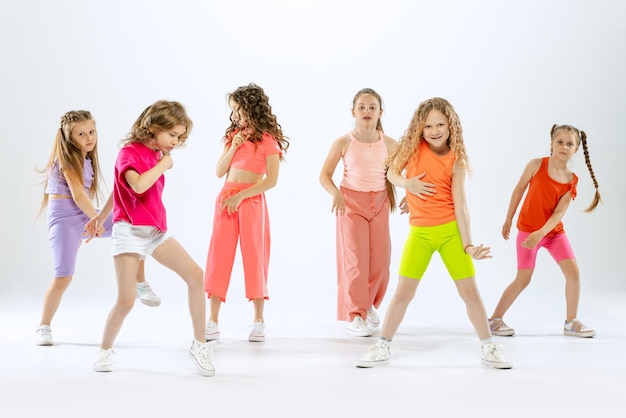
363, 108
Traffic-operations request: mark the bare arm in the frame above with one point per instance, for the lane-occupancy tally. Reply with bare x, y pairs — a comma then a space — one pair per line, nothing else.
414, 184
518, 192
533, 238
462, 215
223, 163
272, 165
337, 150
81, 198
95, 225
140, 183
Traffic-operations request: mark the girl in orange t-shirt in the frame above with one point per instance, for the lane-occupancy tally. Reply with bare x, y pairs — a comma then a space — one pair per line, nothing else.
551, 187
430, 162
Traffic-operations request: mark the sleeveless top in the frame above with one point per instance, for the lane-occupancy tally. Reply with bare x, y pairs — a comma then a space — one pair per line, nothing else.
364, 165
437, 209
542, 198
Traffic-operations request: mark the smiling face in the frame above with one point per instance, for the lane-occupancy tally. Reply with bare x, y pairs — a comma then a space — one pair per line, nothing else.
437, 131
167, 140
367, 110
85, 136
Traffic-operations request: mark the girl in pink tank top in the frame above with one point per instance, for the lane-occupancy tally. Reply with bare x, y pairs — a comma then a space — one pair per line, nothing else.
362, 204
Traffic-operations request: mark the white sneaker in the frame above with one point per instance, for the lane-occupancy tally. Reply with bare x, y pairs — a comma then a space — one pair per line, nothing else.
146, 295
575, 328
377, 355
359, 328
258, 332
44, 335
202, 355
104, 360
372, 318
491, 357
212, 331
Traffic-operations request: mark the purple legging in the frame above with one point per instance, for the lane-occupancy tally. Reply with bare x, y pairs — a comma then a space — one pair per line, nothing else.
66, 224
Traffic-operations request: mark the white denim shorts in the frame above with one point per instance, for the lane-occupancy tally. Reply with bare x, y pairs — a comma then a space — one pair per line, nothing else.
136, 239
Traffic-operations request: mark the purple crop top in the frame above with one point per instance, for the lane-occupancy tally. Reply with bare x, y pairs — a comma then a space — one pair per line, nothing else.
57, 183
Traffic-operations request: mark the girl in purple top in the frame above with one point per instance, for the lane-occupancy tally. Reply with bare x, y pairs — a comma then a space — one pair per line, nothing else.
140, 225
72, 184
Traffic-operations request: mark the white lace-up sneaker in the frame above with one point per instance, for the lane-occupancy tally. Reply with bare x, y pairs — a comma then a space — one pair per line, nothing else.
372, 318
43, 335
377, 355
202, 355
258, 332
358, 328
104, 360
212, 331
491, 357
146, 295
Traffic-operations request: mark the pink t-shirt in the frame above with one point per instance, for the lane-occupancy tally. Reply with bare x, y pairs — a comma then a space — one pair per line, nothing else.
364, 165
138, 209
252, 156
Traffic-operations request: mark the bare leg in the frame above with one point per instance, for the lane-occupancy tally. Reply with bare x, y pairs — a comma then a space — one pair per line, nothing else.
522, 279
474, 306
214, 308
52, 298
259, 304
397, 307
141, 273
126, 266
173, 256
569, 268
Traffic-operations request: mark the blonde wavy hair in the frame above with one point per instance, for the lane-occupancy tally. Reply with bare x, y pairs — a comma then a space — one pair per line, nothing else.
408, 145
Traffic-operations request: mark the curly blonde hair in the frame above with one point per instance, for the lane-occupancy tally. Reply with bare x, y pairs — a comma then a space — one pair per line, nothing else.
408, 145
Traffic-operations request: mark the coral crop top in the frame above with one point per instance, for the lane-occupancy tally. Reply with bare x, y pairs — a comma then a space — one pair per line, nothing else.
252, 156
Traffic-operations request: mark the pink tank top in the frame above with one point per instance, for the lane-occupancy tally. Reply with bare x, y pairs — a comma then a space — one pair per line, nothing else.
364, 165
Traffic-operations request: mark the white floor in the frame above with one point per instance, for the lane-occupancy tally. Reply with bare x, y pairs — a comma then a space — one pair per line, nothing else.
306, 366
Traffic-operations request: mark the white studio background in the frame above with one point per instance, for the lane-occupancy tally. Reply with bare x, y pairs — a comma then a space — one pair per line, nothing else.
511, 69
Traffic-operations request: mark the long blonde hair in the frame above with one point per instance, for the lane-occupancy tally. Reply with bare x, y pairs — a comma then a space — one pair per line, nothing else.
581, 137
69, 156
414, 134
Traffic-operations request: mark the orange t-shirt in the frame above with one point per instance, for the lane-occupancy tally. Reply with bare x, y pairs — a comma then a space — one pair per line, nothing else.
437, 209
542, 198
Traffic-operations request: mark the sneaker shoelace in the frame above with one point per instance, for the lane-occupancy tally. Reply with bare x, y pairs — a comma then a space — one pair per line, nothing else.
376, 352
204, 353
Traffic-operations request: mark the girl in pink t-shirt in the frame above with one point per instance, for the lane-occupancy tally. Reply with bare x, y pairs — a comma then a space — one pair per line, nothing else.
254, 147
362, 204
140, 225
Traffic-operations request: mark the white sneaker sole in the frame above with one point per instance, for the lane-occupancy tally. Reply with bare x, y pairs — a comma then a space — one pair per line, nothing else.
586, 334
151, 303
496, 364
363, 333
102, 368
202, 370
364, 364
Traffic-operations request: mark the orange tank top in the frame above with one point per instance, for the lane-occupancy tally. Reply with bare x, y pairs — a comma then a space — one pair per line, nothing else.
437, 209
542, 198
